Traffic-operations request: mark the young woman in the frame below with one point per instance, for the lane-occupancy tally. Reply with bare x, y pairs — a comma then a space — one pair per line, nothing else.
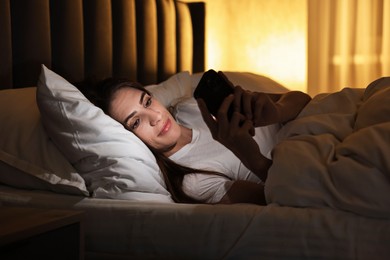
222, 162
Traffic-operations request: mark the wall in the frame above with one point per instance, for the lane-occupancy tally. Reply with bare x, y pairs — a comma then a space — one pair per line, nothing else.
267, 37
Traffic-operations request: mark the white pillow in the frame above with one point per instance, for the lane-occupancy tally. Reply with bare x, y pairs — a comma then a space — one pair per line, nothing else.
173, 90
28, 159
112, 160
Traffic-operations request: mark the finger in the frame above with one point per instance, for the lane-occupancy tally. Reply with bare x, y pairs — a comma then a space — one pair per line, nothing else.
207, 117
248, 126
238, 92
259, 105
246, 104
235, 122
222, 116
227, 102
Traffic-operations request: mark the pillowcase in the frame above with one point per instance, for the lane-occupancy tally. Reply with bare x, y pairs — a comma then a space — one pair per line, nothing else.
111, 159
173, 90
28, 159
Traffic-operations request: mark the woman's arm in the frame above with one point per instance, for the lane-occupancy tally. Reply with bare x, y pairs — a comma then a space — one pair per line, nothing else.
267, 108
244, 192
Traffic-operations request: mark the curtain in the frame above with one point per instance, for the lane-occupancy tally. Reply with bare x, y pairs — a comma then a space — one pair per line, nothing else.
348, 43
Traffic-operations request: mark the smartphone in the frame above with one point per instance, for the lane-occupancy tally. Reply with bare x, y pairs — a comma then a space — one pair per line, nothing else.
213, 88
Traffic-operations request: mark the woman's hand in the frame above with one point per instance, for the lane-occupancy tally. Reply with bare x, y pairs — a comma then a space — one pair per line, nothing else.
257, 107
236, 135
228, 132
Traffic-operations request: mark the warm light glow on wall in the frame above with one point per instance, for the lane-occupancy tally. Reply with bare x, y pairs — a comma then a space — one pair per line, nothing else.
267, 37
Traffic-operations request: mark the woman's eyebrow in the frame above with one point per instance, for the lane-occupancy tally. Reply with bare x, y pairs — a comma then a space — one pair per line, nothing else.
141, 101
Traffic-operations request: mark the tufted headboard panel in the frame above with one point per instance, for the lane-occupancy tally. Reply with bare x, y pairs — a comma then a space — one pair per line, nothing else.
143, 40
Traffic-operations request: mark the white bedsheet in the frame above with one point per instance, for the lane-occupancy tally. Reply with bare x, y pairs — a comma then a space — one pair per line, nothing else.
336, 154
118, 229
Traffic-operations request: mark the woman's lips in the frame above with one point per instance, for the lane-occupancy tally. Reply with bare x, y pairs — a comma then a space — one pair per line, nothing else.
166, 127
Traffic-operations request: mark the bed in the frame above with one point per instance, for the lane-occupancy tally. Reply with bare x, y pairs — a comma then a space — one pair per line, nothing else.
48, 46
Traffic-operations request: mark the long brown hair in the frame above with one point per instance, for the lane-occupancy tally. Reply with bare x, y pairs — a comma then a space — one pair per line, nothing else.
173, 173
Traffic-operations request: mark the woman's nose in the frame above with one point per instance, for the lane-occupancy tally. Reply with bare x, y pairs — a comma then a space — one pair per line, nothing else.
155, 117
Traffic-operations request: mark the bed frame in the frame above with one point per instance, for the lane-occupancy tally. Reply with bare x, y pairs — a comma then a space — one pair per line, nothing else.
143, 40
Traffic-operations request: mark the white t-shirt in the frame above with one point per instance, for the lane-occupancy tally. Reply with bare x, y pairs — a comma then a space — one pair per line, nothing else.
205, 153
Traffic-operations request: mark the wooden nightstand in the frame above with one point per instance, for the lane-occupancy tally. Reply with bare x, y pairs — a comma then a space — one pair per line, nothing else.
35, 233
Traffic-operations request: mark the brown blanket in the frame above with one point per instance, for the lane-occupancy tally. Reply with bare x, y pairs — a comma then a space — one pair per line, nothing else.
336, 153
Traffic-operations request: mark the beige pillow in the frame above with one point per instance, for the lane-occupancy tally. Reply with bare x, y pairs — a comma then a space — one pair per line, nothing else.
28, 158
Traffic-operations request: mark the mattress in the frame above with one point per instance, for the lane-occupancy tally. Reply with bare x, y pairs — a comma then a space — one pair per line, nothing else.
118, 229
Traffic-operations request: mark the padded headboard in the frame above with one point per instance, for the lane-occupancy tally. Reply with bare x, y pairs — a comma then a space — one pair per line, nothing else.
143, 40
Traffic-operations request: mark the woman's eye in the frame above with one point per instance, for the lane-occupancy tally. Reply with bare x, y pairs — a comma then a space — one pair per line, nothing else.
148, 102
134, 124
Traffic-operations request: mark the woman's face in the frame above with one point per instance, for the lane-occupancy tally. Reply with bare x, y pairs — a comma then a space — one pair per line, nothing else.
146, 118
